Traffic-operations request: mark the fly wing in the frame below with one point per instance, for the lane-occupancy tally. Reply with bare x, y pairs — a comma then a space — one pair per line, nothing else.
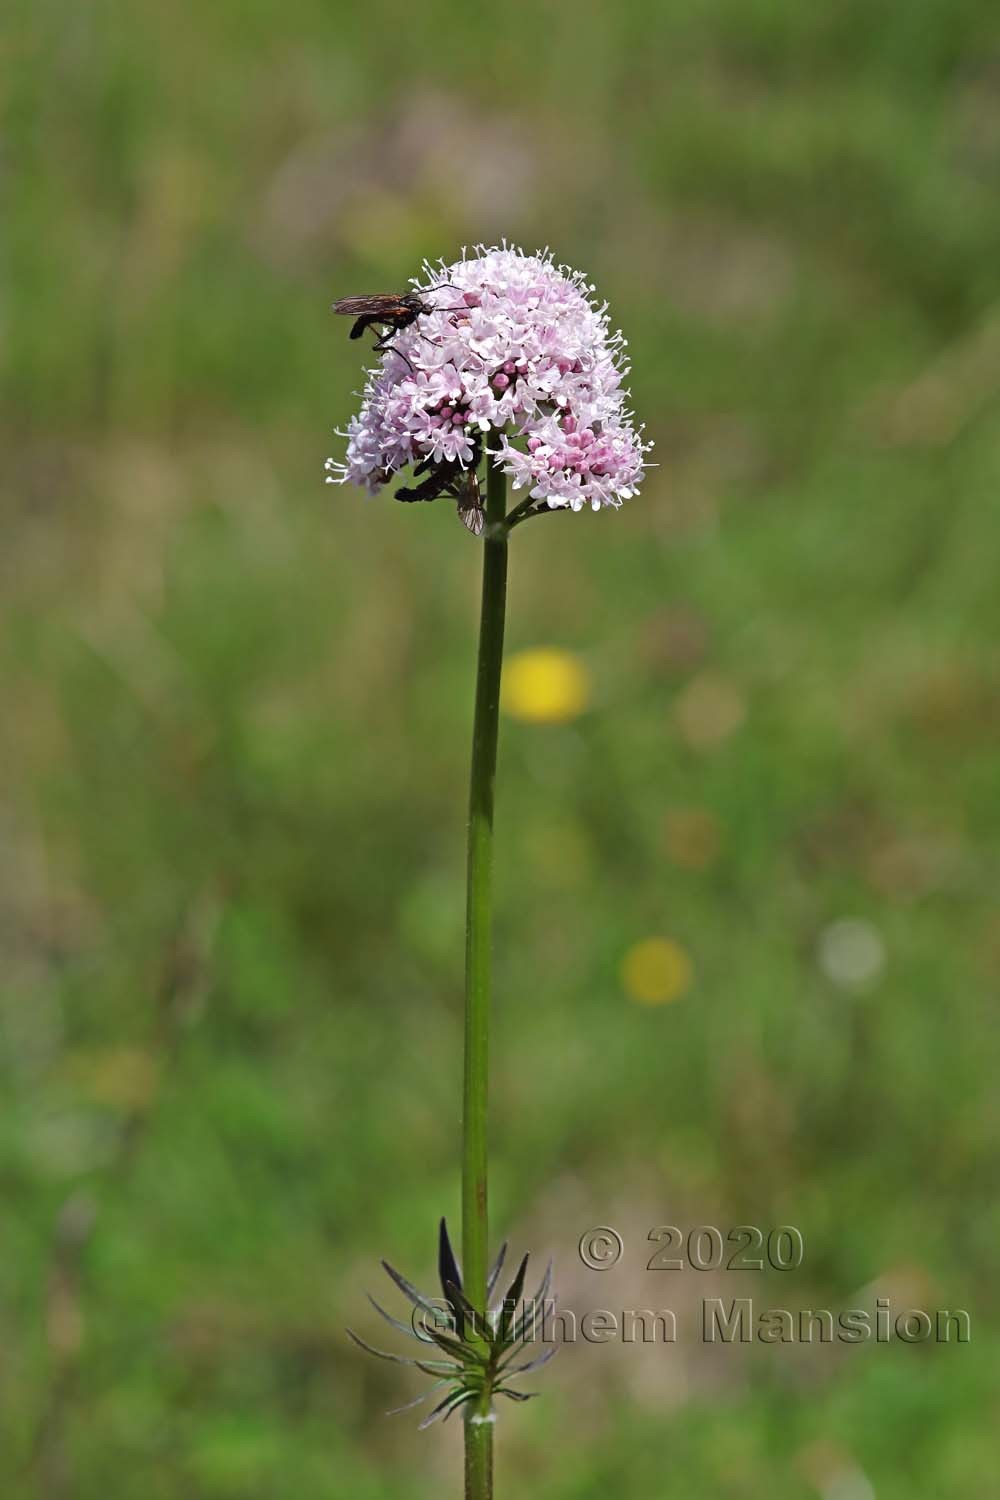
470, 505
472, 519
374, 306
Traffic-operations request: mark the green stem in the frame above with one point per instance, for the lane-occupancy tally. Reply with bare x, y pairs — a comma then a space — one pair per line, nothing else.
479, 1459
475, 1238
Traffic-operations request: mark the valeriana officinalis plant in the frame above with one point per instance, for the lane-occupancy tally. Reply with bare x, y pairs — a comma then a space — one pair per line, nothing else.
497, 367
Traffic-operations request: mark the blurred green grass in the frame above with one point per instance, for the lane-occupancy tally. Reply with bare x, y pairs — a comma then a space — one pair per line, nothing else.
239, 710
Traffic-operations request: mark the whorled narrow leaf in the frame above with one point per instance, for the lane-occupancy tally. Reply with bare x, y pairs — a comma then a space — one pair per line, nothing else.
478, 1351
534, 1309
533, 1364
397, 1323
409, 1405
495, 1269
533, 1317
473, 1321
510, 1300
466, 1398
432, 1367
396, 1359
462, 1352
445, 1408
451, 1278
409, 1291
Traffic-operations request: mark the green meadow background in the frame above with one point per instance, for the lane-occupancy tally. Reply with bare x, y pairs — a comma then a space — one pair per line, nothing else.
236, 736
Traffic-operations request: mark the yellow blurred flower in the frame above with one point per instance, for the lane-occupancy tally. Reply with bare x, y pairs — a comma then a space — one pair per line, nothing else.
545, 686
656, 971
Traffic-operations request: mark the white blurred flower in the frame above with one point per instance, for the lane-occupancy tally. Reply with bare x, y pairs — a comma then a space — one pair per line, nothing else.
851, 953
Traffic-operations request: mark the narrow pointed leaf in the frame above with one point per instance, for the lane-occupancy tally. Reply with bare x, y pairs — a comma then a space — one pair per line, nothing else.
451, 1277
544, 1284
409, 1405
447, 1264
533, 1364
455, 1398
495, 1269
516, 1288
516, 1395
469, 1396
439, 1410
473, 1322
454, 1348
535, 1308
431, 1367
396, 1323
396, 1359
408, 1290
511, 1298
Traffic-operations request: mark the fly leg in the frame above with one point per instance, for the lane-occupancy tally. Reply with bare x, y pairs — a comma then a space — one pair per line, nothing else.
383, 344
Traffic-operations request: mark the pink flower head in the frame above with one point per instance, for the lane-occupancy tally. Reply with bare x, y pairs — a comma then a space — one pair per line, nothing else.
513, 342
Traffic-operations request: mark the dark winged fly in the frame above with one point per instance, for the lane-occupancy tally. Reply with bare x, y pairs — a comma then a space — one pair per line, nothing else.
392, 311
447, 477
470, 503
